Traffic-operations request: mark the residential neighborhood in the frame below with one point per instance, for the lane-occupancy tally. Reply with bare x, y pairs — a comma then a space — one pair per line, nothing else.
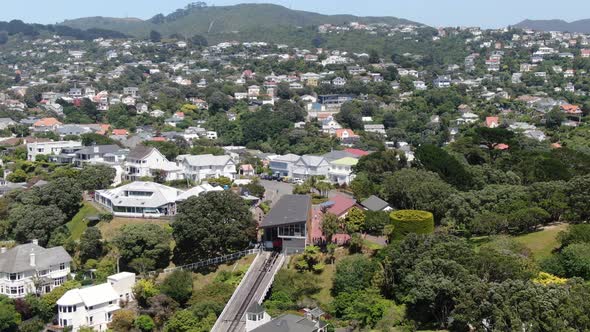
254, 168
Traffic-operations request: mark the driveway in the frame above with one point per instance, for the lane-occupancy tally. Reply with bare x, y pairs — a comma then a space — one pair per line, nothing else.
275, 190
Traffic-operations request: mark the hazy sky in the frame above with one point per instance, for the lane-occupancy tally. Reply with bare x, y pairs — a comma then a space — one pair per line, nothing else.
496, 13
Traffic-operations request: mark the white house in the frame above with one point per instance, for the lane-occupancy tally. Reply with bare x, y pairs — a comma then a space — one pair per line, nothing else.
308, 166
283, 165
144, 161
139, 199
50, 148
341, 172
27, 264
207, 166
94, 306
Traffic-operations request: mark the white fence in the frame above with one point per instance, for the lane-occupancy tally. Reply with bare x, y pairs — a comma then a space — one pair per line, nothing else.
210, 261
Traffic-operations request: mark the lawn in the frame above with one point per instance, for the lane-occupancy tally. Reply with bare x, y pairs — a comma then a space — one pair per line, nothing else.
543, 242
78, 224
110, 229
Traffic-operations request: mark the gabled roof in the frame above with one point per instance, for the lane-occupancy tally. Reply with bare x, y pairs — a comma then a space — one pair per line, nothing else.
99, 149
161, 194
313, 161
348, 161
374, 203
18, 258
288, 323
340, 205
290, 209
205, 160
140, 151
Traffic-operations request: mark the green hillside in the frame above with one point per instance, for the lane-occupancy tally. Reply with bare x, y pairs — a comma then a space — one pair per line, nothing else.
224, 19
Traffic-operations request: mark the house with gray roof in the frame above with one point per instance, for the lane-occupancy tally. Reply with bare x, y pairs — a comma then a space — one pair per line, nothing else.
283, 165
286, 225
94, 154
206, 166
374, 203
6, 122
257, 320
32, 269
146, 161
308, 166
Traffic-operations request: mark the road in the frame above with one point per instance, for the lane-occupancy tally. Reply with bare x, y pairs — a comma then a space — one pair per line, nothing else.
275, 190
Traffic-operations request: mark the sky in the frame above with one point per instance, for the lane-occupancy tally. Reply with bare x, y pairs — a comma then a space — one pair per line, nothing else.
488, 14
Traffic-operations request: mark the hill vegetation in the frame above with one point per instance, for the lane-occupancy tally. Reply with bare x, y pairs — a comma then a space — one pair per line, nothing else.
582, 26
198, 18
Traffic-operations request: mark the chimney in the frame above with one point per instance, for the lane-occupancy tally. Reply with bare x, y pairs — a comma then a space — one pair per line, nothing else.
3, 250
32, 258
35, 242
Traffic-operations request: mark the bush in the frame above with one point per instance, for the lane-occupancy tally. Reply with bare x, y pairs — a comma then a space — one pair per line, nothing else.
411, 221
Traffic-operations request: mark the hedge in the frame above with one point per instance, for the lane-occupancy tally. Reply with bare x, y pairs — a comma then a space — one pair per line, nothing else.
411, 221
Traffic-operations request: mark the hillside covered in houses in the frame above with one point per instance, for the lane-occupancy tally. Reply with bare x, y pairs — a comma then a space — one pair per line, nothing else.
296, 170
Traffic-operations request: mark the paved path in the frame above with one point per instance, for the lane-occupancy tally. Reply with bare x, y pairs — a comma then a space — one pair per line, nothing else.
275, 190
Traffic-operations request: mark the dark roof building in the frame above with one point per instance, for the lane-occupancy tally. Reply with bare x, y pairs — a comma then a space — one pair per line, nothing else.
259, 321
286, 225
375, 203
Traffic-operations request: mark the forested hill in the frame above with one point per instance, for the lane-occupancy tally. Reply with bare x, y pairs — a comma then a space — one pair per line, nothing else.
198, 18
582, 26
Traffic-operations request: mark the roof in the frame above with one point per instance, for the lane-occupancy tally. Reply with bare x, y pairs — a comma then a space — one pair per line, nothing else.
47, 122
197, 191
120, 132
290, 209
161, 194
347, 161
337, 154
18, 259
491, 120
140, 151
288, 323
374, 203
341, 205
90, 296
255, 308
99, 149
312, 160
205, 160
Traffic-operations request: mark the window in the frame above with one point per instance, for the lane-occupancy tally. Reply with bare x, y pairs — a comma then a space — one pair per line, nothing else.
62, 266
21, 289
90, 319
13, 290
16, 276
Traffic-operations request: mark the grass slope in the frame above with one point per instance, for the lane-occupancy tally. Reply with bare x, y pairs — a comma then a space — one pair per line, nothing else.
78, 224
110, 229
543, 242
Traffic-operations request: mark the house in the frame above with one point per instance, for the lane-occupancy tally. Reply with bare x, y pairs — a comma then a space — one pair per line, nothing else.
339, 81
283, 165
6, 122
286, 225
442, 82
341, 171
94, 154
247, 170
253, 91
374, 203
375, 128
346, 136
51, 148
492, 122
139, 200
157, 113
468, 118
207, 166
330, 125
32, 269
257, 320
46, 124
419, 85
585, 53
339, 205
143, 161
308, 166
94, 306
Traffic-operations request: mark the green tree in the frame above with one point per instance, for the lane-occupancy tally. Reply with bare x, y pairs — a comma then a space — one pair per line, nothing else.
144, 323
91, 244
143, 290
37, 222
213, 224
437, 160
354, 273
96, 177
155, 36
365, 307
178, 285
123, 321
331, 225
9, 318
355, 220
143, 241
